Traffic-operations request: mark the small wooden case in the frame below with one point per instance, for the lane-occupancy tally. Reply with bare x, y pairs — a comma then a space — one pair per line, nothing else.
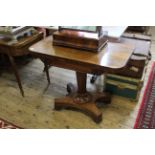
84, 40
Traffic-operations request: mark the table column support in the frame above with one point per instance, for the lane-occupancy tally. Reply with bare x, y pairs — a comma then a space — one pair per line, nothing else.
82, 100
81, 82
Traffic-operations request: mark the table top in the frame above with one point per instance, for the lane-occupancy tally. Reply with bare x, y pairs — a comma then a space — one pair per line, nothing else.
14, 43
113, 55
18, 48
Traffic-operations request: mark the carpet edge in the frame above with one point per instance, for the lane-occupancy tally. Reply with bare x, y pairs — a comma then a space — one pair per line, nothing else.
143, 98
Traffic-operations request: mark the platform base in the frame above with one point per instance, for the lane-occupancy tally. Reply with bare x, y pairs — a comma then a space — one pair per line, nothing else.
85, 103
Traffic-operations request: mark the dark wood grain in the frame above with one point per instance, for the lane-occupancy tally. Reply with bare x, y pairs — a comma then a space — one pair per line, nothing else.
79, 39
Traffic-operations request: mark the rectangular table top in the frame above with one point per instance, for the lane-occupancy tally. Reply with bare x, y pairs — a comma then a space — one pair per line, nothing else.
113, 55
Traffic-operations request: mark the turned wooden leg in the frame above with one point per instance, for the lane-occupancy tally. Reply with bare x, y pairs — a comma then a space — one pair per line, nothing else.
81, 82
11, 59
46, 67
47, 72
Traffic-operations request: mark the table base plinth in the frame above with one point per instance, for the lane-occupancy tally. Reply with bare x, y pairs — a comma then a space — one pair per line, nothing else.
89, 107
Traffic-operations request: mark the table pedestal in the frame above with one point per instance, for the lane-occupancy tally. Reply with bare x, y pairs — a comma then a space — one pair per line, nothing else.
82, 100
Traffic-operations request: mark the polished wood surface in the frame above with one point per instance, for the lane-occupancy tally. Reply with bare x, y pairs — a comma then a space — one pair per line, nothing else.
88, 41
140, 56
113, 32
112, 58
80, 40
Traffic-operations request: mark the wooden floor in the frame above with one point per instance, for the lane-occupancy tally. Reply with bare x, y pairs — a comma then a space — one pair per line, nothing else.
35, 110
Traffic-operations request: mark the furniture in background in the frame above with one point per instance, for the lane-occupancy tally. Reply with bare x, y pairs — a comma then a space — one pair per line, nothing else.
18, 47
50, 30
47, 30
125, 86
14, 33
139, 29
111, 59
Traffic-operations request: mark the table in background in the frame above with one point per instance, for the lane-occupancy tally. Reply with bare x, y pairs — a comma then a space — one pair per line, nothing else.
14, 49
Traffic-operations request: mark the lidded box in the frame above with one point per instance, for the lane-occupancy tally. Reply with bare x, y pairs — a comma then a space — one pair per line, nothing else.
90, 38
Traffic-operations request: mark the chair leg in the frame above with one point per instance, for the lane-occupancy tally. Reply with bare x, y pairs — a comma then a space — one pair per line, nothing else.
11, 59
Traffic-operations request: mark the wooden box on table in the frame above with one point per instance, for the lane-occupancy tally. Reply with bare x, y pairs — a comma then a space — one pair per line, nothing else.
80, 38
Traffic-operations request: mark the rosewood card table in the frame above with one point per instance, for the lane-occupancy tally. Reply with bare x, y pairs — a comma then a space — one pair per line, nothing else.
111, 59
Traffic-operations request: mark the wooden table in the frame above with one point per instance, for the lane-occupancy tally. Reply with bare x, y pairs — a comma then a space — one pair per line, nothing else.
113, 58
13, 49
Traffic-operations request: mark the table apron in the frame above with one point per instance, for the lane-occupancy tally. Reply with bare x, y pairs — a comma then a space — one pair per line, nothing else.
75, 65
